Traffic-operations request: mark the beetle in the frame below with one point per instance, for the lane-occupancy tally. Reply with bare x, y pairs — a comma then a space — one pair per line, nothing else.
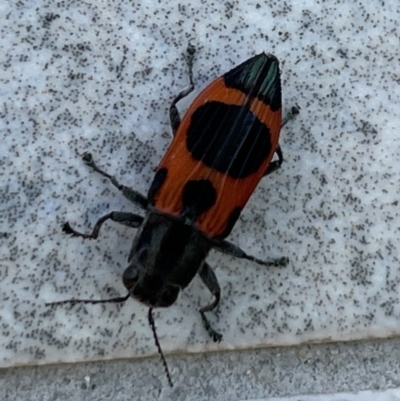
220, 150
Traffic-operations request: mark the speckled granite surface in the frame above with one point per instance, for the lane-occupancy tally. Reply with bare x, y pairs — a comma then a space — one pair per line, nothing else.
99, 77
317, 372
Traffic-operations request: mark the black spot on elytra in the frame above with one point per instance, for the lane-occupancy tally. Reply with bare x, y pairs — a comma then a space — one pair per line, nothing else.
197, 197
228, 138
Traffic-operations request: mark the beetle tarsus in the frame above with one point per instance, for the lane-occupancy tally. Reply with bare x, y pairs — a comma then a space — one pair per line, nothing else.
87, 158
294, 111
275, 262
233, 250
127, 219
217, 337
129, 193
67, 229
189, 56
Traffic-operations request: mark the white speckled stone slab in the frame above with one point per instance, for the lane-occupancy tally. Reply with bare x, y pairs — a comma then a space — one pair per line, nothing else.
388, 395
99, 76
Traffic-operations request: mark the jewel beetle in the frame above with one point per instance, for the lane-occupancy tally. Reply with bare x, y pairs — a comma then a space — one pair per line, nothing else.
220, 150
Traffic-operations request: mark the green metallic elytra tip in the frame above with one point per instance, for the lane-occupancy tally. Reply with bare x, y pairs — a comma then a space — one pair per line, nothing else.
258, 77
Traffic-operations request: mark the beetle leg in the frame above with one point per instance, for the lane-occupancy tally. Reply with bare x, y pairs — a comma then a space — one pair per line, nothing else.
233, 250
129, 193
210, 280
174, 118
276, 164
127, 219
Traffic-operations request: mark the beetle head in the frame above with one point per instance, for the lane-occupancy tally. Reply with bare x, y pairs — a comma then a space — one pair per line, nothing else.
147, 284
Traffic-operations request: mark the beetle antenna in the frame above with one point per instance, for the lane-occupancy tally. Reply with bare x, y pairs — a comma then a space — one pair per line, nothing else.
153, 329
90, 301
